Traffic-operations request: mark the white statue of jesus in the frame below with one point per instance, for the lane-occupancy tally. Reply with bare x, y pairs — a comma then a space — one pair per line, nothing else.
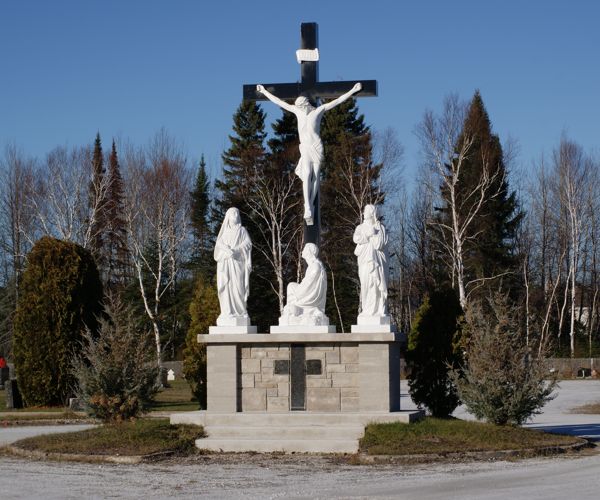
311, 147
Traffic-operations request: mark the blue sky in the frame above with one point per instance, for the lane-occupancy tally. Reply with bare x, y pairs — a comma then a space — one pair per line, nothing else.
127, 68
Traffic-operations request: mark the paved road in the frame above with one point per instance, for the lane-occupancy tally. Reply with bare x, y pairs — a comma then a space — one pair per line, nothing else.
549, 478
9, 435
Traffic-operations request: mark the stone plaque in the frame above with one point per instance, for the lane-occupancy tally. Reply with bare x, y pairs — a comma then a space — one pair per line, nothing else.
314, 367
282, 367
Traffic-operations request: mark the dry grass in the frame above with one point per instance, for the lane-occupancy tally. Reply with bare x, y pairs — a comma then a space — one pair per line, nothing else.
142, 437
591, 409
439, 436
177, 397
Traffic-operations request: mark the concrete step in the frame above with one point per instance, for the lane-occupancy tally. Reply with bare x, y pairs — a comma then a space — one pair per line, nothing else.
284, 433
273, 445
291, 419
288, 432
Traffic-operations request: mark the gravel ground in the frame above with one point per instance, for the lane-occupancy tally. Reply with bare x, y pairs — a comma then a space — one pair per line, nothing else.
305, 476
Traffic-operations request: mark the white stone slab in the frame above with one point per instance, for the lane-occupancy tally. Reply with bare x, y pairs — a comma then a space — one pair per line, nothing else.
372, 328
303, 329
301, 337
229, 321
373, 320
227, 330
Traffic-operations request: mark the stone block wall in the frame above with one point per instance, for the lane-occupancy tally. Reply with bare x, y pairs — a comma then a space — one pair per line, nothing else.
260, 389
336, 388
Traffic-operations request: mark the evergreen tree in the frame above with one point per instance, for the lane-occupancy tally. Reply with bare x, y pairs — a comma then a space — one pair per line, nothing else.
245, 155
115, 368
501, 380
432, 351
347, 169
116, 252
61, 294
204, 310
201, 230
489, 246
97, 201
7, 312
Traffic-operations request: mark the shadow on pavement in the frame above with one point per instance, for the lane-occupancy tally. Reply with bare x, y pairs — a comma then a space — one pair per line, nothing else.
588, 431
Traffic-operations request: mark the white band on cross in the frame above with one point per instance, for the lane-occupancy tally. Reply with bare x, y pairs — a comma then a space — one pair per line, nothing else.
307, 55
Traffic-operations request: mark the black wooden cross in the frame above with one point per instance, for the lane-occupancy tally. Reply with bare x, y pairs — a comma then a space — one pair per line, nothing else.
310, 86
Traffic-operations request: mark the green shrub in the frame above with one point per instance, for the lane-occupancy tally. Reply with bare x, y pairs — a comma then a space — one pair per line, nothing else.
116, 371
431, 352
503, 380
60, 294
204, 310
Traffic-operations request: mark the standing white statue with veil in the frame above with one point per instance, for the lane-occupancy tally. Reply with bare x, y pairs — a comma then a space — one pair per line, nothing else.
371, 251
311, 146
234, 263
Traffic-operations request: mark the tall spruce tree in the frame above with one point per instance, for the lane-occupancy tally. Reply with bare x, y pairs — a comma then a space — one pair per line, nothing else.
489, 247
201, 230
97, 201
347, 170
116, 252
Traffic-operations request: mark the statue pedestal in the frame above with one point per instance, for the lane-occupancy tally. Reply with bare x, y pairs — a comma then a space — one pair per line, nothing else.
228, 330
303, 371
298, 392
232, 324
372, 324
300, 329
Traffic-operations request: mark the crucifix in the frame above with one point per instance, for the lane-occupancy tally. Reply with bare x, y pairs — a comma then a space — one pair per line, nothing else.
306, 94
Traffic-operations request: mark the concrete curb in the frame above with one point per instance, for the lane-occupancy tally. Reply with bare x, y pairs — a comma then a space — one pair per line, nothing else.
78, 457
359, 459
363, 458
43, 422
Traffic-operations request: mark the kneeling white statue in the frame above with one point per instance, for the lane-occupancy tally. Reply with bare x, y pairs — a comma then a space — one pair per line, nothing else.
306, 300
234, 262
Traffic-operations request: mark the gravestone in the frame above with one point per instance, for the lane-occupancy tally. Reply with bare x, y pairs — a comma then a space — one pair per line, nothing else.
584, 372
170, 375
13, 395
4, 372
76, 404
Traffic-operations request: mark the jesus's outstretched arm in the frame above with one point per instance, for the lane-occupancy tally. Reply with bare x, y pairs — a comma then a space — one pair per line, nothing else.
275, 99
330, 105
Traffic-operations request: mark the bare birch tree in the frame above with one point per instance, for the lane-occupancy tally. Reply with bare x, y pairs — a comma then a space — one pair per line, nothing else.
156, 211
61, 200
274, 206
572, 174
16, 178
